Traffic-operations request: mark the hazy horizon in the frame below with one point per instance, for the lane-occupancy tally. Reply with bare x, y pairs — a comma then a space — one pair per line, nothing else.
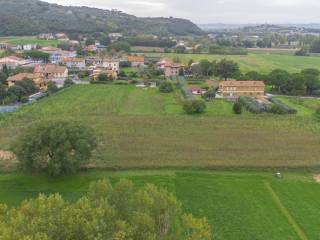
214, 11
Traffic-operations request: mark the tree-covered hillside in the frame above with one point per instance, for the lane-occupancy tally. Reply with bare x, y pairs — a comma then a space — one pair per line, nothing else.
30, 17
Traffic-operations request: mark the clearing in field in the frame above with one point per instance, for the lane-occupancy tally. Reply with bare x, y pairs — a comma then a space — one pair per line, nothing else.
238, 205
140, 128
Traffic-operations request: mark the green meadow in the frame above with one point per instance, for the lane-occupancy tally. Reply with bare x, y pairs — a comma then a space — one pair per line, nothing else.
238, 205
261, 62
29, 40
219, 165
142, 128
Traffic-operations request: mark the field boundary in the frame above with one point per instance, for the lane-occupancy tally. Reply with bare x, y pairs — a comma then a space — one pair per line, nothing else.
286, 212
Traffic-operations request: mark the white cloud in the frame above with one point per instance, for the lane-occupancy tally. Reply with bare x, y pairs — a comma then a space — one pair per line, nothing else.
210, 11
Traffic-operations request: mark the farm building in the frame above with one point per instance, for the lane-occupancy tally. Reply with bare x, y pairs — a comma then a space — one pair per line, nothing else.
172, 70
51, 72
241, 88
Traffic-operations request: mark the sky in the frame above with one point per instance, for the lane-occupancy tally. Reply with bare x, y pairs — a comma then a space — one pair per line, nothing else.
214, 11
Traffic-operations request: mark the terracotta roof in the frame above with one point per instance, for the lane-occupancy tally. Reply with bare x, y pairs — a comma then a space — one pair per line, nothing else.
173, 65
12, 59
20, 77
73, 60
50, 68
136, 59
242, 84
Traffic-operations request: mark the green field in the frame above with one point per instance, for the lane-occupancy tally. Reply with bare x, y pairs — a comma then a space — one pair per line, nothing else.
144, 129
239, 206
139, 128
260, 62
29, 40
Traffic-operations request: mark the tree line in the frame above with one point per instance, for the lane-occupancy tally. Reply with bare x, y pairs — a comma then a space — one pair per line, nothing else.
305, 82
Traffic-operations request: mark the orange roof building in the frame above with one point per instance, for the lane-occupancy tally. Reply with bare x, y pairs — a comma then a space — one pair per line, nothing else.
40, 82
136, 61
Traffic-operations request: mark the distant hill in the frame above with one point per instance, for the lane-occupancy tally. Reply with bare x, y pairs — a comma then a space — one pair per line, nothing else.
31, 17
222, 26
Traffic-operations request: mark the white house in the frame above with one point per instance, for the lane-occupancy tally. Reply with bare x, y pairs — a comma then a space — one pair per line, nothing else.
111, 64
78, 63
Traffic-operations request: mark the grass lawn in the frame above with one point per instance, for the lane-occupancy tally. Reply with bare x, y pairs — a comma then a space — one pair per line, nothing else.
238, 205
29, 40
260, 62
139, 128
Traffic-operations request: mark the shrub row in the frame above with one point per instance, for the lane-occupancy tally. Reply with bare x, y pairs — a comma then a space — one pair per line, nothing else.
252, 105
185, 90
277, 107
280, 108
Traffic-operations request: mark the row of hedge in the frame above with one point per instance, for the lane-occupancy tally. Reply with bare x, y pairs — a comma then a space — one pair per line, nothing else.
185, 90
277, 107
281, 108
253, 106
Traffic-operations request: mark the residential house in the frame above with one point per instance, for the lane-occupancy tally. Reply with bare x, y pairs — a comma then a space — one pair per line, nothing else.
39, 81
4, 46
115, 36
91, 48
136, 61
57, 55
93, 61
12, 62
46, 36
52, 72
97, 71
111, 64
172, 70
241, 88
62, 37
74, 63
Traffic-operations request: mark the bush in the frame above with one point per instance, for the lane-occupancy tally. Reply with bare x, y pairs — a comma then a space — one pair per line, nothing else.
209, 95
166, 87
121, 82
279, 107
317, 113
253, 106
106, 211
52, 87
68, 82
237, 108
57, 147
194, 106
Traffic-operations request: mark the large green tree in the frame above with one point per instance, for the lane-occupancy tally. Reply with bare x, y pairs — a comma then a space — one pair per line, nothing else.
312, 79
226, 69
57, 147
118, 212
3, 93
279, 78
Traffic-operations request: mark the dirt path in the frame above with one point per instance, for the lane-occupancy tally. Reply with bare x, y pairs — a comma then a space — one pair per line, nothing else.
286, 213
